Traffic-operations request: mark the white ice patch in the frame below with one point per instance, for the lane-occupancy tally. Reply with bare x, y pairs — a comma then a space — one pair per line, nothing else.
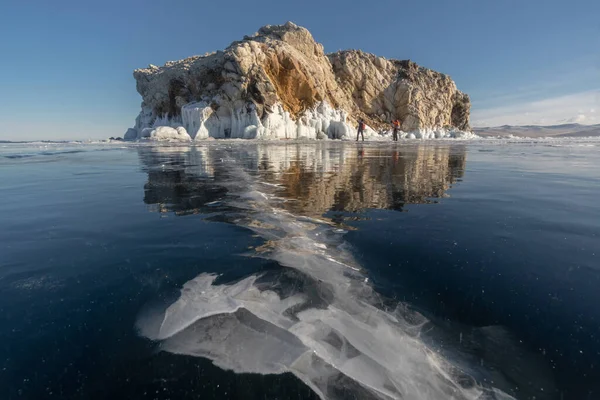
278, 125
430, 134
166, 133
326, 328
145, 119
443, 133
201, 121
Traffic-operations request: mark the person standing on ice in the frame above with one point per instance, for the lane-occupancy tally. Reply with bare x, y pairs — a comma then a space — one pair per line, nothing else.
396, 126
361, 129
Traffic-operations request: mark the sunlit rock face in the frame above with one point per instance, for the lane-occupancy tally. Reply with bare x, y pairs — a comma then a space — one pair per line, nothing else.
384, 90
279, 83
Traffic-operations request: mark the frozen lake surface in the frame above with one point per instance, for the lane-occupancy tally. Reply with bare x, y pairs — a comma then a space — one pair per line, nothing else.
249, 269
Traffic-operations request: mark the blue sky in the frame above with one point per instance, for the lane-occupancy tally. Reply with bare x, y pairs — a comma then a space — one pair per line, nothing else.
66, 66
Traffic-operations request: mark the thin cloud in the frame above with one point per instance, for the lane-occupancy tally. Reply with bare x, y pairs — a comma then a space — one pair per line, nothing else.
580, 119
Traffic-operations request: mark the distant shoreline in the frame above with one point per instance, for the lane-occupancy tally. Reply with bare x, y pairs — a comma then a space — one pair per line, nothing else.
506, 131
536, 132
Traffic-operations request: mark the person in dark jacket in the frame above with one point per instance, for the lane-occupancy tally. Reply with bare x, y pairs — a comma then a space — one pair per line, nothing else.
361, 129
396, 126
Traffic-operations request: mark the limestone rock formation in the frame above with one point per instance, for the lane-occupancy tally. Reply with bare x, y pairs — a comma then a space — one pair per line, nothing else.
388, 89
279, 83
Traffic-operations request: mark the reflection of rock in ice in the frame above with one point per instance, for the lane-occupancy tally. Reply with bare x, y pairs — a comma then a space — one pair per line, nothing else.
345, 178
194, 161
179, 178
318, 177
318, 318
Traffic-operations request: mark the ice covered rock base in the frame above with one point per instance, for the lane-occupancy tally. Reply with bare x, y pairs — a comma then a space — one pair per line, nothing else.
199, 120
279, 84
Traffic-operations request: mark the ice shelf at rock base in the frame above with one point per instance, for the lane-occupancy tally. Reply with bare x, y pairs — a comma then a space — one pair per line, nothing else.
437, 133
202, 121
166, 133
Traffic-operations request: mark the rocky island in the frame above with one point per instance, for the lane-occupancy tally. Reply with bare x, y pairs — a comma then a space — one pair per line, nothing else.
280, 84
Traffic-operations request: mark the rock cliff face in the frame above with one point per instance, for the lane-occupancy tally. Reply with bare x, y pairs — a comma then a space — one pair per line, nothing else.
388, 89
279, 83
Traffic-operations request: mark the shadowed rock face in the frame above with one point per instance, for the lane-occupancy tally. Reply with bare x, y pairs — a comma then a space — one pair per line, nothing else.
283, 66
461, 110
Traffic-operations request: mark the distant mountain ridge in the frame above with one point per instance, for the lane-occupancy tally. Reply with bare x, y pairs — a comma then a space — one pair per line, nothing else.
537, 131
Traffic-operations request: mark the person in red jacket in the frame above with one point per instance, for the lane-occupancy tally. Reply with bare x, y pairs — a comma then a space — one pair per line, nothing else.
361, 129
396, 126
